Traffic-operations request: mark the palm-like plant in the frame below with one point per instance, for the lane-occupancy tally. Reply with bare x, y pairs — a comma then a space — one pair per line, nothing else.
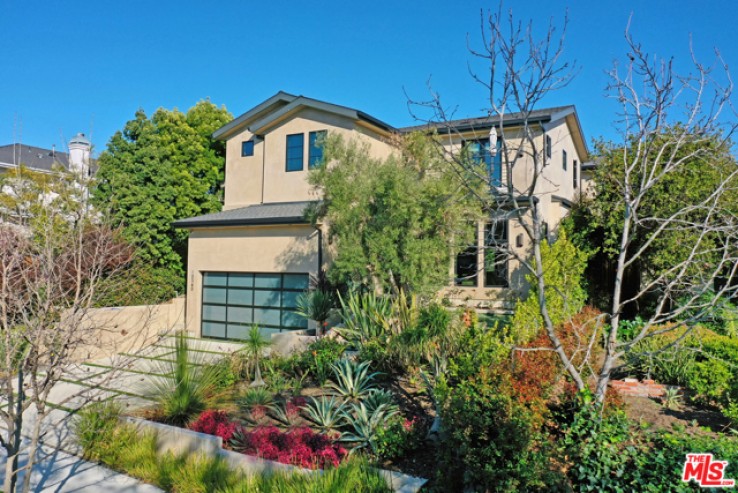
316, 305
253, 348
352, 380
186, 384
364, 423
326, 413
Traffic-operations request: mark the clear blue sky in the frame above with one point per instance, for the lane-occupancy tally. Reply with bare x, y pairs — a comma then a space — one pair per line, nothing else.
76, 66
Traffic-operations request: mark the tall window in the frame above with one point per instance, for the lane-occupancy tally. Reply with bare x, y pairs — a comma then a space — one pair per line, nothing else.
247, 148
563, 159
315, 148
495, 254
575, 169
295, 146
549, 145
479, 153
466, 266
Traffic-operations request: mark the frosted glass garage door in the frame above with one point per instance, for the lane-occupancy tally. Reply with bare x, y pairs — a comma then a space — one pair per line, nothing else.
233, 301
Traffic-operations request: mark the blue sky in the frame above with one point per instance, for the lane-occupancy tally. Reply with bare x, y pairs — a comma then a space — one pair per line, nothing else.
78, 66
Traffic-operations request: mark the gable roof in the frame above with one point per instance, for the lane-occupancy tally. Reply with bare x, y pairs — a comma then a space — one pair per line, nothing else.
35, 158
258, 214
282, 104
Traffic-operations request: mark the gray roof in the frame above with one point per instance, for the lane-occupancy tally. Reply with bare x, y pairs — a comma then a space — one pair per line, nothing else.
32, 157
511, 119
265, 214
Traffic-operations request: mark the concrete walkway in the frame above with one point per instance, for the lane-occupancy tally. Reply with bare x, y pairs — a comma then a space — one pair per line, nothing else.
58, 471
57, 468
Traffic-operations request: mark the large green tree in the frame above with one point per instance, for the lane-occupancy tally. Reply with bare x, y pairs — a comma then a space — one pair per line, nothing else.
160, 169
392, 220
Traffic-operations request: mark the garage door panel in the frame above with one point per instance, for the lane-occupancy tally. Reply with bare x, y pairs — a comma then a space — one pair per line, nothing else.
233, 301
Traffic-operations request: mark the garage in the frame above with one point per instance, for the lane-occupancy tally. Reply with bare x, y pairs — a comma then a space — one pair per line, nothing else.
233, 301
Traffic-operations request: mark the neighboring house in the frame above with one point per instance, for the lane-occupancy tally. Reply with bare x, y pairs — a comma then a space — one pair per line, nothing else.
12, 156
250, 262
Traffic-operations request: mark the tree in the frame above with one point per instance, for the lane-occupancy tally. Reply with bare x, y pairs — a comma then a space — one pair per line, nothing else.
53, 258
160, 169
669, 121
391, 220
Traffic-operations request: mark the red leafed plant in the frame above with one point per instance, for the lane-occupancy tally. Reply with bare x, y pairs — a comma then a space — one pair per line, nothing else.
215, 423
301, 446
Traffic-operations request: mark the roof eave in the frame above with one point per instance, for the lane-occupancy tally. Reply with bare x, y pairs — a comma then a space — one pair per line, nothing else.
282, 221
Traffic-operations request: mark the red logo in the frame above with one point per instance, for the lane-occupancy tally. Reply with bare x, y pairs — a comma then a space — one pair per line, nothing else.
707, 472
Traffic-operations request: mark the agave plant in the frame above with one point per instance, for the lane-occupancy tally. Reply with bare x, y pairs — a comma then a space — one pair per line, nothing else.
365, 317
255, 397
364, 424
286, 413
326, 413
380, 397
353, 381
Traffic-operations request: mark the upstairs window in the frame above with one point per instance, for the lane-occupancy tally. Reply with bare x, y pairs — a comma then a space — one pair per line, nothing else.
247, 148
295, 148
548, 146
575, 169
495, 254
479, 153
563, 159
315, 149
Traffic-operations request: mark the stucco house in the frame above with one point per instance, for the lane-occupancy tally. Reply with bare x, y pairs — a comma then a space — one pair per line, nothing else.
250, 262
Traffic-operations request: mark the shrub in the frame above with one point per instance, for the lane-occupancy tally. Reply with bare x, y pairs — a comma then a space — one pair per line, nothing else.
489, 442
479, 348
710, 380
301, 447
319, 357
435, 319
397, 437
215, 423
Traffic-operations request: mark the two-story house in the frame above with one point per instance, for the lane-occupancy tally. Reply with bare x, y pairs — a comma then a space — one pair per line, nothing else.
250, 262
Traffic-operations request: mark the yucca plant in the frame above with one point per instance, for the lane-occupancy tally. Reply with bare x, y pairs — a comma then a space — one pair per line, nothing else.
187, 386
672, 398
326, 413
352, 380
316, 305
364, 424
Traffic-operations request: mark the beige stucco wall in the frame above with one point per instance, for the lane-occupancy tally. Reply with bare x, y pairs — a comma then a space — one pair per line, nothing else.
246, 249
263, 178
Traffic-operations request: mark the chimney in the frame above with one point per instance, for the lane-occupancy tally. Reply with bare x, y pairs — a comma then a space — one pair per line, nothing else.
79, 154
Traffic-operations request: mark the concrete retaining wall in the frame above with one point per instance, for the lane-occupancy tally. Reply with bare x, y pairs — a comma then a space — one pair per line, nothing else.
183, 441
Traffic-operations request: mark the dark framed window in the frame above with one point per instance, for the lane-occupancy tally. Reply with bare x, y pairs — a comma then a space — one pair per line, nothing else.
315, 148
466, 268
495, 254
563, 159
479, 153
548, 146
295, 148
575, 170
247, 148
233, 301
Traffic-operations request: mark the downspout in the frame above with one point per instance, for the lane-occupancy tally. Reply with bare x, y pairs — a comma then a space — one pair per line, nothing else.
263, 164
320, 248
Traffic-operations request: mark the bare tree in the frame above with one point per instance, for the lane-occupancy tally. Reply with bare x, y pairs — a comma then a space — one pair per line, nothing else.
55, 255
665, 120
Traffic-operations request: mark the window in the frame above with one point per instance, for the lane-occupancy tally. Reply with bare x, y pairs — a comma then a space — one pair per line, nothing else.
315, 148
295, 146
247, 148
575, 170
466, 266
479, 153
563, 159
495, 254
233, 301
548, 148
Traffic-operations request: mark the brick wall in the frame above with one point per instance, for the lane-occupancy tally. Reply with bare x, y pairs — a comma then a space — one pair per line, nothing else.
631, 386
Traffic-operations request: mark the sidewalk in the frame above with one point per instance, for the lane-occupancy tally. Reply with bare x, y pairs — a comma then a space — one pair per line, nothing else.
58, 472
